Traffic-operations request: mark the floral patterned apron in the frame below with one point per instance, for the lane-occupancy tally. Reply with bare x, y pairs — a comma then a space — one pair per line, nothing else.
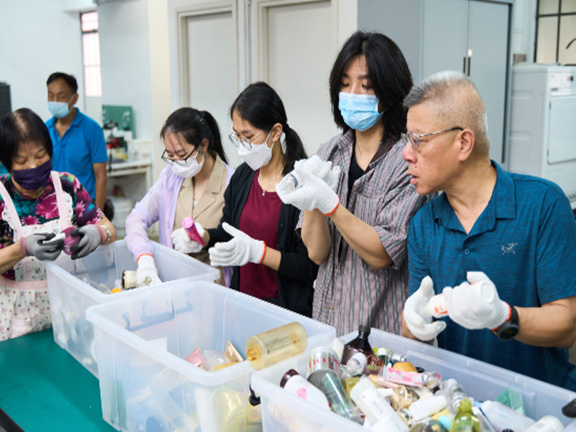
24, 305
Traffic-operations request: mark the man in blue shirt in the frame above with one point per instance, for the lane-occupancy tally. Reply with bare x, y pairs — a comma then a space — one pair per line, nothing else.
79, 144
505, 242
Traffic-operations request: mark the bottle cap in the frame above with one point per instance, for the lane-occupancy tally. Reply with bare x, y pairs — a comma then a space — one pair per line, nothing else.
287, 376
362, 329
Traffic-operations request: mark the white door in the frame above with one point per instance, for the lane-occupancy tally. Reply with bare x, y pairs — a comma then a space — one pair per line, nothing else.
211, 71
297, 47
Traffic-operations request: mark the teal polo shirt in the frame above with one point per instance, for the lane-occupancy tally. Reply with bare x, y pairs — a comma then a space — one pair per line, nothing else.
82, 145
525, 241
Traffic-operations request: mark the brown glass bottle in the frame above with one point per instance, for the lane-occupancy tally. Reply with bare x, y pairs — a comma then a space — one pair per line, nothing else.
362, 345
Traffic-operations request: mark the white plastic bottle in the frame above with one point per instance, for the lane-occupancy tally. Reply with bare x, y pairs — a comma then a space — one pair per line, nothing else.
546, 424
301, 387
375, 406
423, 408
503, 417
436, 307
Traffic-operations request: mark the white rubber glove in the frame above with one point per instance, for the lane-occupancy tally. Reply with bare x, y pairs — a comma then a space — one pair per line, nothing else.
419, 322
476, 307
147, 273
314, 193
182, 242
240, 250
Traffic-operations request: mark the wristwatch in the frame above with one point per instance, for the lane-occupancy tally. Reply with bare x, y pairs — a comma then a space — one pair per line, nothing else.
510, 328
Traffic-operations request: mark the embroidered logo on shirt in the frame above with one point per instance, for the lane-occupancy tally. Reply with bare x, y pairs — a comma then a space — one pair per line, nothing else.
509, 249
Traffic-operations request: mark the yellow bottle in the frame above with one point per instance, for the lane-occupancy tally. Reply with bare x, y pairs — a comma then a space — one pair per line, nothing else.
270, 347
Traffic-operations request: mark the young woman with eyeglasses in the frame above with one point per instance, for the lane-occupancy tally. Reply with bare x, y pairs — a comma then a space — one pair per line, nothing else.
257, 234
192, 185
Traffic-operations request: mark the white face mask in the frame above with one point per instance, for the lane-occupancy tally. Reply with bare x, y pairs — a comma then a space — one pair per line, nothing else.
258, 156
190, 168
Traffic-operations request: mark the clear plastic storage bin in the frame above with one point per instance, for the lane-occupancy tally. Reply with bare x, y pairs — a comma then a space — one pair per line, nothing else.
71, 289
141, 344
283, 412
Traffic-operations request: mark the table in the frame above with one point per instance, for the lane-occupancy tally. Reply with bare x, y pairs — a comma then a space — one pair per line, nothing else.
44, 389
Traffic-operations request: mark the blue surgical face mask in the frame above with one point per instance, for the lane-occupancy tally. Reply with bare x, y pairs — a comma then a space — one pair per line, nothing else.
359, 111
59, 109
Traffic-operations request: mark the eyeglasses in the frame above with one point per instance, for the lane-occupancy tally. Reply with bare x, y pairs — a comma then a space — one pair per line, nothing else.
414, 139
181, 162
245, 142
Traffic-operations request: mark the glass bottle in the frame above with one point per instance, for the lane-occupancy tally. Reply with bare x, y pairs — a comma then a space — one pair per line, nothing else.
270, 347
465, 420
454, 393
359, 344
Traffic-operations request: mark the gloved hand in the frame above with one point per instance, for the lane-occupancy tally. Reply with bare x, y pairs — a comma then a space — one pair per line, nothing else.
147, 273
476, 307
34, 245
314, 193
182, 242
240, 250
323, 170
419, 322
92, 236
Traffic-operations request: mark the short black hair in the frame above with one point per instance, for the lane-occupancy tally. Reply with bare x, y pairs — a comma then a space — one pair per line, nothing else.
388, 71
69, 79
20, 127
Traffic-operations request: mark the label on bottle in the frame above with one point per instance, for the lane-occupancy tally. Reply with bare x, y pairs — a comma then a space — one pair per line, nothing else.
414, 379
322, 358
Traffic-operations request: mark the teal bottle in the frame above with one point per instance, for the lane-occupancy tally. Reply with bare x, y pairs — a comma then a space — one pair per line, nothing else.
465, 420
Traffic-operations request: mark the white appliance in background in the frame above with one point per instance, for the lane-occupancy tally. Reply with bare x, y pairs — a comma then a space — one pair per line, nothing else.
543, 124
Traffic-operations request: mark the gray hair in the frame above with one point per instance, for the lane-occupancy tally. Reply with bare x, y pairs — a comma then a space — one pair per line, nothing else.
455, 100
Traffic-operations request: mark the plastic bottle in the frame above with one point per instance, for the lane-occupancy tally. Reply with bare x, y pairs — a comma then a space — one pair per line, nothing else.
546, 424
465, 420
454, 393
436, 307
298, 385
291, 181
375, 406
190, 228
503, 417
267, 348
427, 407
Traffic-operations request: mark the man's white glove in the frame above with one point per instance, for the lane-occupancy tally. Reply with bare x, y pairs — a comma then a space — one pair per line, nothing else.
476, 306
314, 193
418, 321
240, 250
147, 273
182, 242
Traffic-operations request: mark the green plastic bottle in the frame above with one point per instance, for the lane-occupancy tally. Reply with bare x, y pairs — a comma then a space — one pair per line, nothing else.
465, 420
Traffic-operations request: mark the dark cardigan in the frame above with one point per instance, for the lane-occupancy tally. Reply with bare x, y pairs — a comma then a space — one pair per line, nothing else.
297, 272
